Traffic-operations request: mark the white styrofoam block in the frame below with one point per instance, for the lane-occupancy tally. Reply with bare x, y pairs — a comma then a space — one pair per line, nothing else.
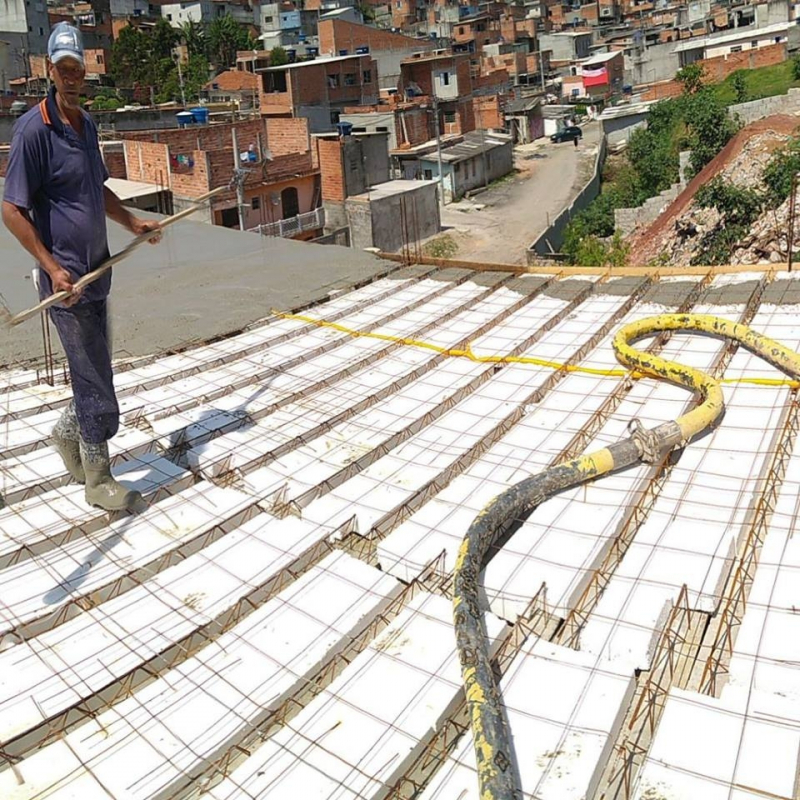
189, 717
38, 589
362, 732
564, 711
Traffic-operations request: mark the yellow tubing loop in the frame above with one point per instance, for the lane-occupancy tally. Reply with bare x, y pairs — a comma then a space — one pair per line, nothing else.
498, 777
504, 359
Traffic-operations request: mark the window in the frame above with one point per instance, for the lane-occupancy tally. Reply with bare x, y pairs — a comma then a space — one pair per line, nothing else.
99, 58
169, 17
333, 81
754, 43
737, 49
367, 76
255, 203
461, 30
428, 175
381, 129
267, 20
445, 78
349, 79
458, 166
450, 117
41, 31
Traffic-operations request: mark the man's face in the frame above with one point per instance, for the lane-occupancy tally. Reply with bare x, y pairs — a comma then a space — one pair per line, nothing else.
68, 75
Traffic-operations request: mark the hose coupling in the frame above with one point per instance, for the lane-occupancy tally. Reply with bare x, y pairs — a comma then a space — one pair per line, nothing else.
646, 441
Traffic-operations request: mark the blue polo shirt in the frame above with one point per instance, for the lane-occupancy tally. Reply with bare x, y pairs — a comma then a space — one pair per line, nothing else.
58, 176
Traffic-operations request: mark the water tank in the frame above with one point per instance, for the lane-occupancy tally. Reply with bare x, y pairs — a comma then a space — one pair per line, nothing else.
200, 115
185, 118
344, 128
343, 53
363, 50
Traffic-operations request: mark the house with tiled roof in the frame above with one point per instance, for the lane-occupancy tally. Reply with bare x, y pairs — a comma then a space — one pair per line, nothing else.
233, 85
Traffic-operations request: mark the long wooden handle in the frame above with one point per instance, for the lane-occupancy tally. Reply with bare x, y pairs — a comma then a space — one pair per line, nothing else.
95, 274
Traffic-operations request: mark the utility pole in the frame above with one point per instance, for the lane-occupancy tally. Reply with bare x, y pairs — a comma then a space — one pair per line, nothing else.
255, 86
438, 145
180, 79
541, 68
239, 177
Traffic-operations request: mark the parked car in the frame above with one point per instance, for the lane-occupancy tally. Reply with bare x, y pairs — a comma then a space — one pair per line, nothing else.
567, 134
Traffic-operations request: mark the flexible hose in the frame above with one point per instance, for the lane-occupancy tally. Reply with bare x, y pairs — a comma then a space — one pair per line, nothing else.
497, 775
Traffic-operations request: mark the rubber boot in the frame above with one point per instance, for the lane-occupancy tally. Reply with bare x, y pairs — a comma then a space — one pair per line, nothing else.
67, 441
102, 491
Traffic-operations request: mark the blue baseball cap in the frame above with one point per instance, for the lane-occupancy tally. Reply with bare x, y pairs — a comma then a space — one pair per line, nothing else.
65, 42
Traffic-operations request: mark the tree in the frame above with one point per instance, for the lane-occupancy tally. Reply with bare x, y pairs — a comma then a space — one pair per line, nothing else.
691, 77
131, 56
278, 57
164, 38
193, 35
796, 67
225, 38
739, 85
709, 126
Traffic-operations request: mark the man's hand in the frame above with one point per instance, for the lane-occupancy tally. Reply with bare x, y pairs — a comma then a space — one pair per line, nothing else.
62, 282
140, 226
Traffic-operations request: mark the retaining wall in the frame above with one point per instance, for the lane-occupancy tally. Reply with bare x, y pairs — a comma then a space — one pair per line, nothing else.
551, 240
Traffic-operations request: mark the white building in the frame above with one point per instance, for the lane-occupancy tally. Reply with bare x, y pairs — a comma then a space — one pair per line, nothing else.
737, 41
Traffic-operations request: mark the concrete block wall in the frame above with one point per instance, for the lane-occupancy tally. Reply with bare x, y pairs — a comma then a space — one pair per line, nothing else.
758, 109
551, 240
626, 219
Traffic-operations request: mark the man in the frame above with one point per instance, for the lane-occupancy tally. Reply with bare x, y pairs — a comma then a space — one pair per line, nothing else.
55, 204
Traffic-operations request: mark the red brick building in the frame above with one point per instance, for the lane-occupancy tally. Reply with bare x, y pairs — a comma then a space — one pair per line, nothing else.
283, 178
319, 90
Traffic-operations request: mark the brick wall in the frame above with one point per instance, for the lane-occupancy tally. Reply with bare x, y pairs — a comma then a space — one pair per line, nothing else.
488, 111
414, 126
205, 137
287, 136
336, 35
146, 161
115, 163
196, 182
717, 69
331, 172
3, 162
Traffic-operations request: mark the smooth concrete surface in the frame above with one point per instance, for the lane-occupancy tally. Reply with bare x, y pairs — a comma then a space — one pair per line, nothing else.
201, 281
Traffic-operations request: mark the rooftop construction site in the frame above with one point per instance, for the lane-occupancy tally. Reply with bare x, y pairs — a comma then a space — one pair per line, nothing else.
445, 446
278, 621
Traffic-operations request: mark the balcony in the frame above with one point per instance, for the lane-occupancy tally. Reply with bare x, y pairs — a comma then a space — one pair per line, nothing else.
286, 228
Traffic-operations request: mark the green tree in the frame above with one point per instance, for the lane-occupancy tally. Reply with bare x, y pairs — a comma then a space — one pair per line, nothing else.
691, 77
193, 35
163, 39
779, 173
131, 57
739, 85
225, 37
796, 67
709, 127
278, 57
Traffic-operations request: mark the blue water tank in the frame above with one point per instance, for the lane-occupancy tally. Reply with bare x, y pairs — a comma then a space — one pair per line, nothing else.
344, 128
344, 52
200, 115
185, 118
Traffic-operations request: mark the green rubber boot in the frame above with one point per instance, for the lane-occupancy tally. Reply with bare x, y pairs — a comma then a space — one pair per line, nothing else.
102, 490
66, 439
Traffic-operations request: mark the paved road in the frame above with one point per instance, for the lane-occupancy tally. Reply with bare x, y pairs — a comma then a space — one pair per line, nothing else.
516, 212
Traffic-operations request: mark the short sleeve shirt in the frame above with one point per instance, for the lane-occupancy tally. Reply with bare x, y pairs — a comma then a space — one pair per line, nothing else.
57, 175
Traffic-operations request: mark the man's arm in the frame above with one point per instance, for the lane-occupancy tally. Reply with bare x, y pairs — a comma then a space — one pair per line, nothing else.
17, 221
116, 211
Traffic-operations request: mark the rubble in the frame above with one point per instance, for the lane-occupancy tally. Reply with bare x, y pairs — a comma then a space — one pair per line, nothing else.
767, 240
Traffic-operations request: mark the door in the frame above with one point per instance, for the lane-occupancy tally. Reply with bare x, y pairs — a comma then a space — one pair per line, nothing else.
290, 202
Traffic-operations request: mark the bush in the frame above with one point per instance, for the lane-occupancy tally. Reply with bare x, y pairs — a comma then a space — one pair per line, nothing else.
441, 247
709, 127
779, 172
796, 67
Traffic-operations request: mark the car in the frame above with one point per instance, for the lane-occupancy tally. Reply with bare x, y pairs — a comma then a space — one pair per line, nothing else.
567, 134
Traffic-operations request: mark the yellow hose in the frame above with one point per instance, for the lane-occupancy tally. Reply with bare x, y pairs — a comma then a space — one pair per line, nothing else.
497, 776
